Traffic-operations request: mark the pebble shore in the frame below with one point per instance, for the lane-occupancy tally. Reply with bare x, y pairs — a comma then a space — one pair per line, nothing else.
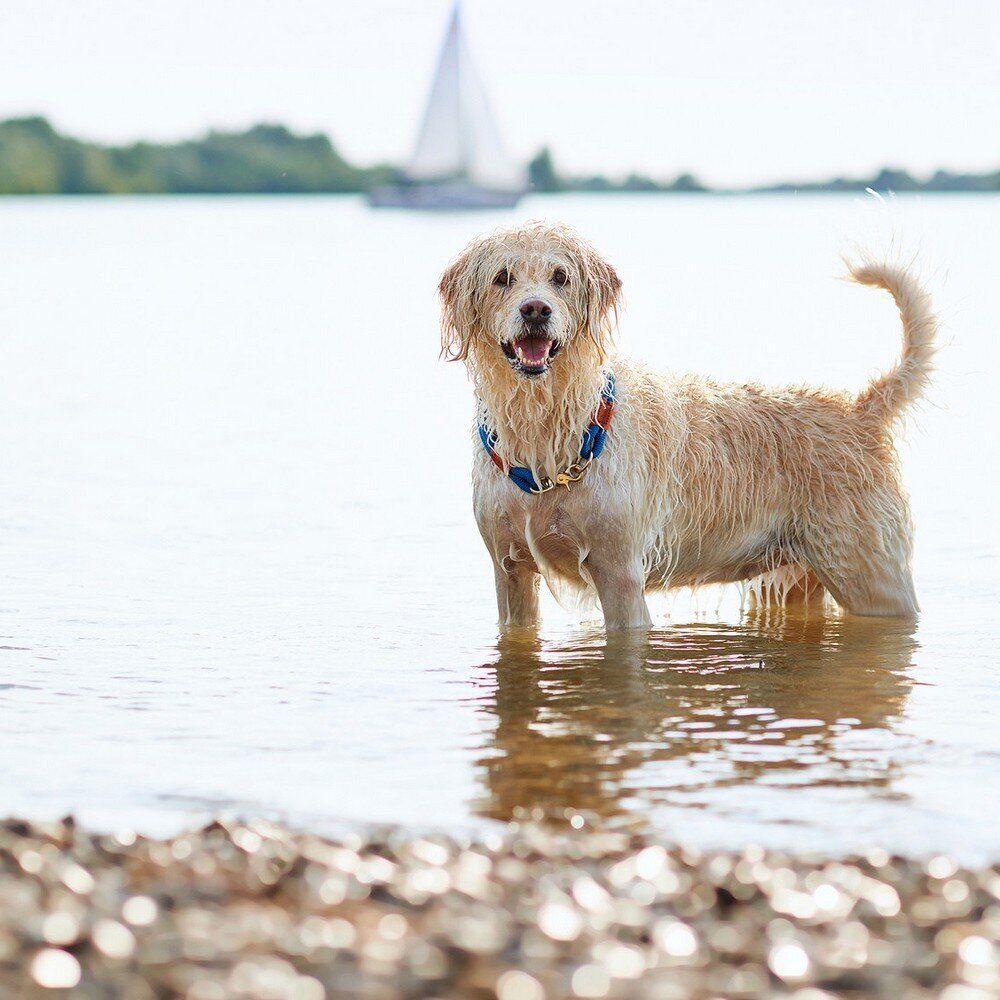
257, 910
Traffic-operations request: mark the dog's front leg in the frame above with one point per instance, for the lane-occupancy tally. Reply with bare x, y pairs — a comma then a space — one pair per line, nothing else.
517, 592
620, 587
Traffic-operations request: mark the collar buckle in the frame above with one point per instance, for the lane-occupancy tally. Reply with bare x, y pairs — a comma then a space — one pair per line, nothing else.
573, 474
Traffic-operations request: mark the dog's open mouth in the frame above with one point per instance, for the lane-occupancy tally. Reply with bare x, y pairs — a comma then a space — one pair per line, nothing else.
532, 353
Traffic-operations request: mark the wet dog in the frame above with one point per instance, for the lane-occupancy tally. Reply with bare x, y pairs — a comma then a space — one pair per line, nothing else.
608, 479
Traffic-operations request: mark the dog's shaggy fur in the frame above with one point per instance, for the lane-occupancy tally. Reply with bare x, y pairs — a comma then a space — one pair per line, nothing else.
699, 482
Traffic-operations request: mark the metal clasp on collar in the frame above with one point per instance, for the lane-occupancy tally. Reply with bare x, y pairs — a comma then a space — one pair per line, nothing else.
573, 474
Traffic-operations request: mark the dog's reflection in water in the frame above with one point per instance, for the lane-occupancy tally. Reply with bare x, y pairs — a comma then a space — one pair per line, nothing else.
616, 725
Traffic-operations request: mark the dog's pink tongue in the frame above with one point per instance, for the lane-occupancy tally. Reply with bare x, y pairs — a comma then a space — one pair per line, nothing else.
533, 350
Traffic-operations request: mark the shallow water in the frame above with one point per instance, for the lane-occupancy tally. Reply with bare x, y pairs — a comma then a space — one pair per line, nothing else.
240, 570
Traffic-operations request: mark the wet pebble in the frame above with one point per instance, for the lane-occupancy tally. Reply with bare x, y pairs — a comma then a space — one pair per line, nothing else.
256, 910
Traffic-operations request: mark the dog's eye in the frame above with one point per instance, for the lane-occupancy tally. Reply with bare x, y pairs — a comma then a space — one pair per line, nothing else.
560, 277
502, 278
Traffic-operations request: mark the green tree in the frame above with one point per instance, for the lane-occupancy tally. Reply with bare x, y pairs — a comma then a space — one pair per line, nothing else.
687, 183
542, 175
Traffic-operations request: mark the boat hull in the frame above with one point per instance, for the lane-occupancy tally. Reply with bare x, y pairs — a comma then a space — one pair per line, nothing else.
442, 197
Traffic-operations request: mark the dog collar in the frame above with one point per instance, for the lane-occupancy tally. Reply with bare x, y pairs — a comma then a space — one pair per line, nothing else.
592, 446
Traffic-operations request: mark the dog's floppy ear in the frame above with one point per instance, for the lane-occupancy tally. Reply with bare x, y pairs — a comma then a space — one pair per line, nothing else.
453, 345
604, 289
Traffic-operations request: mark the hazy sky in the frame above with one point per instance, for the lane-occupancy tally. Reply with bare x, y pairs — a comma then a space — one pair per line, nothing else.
736, 92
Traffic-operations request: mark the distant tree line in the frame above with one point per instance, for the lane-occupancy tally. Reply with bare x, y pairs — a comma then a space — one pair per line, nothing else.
543, 176
265, 159
270, 159
898, 180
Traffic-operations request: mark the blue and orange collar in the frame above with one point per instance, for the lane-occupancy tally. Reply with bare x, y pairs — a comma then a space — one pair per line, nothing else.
592, 446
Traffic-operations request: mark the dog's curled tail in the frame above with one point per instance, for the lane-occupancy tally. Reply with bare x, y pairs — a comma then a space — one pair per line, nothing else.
890, 394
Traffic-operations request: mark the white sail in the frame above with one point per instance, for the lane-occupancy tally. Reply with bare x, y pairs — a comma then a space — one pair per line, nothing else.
459, 138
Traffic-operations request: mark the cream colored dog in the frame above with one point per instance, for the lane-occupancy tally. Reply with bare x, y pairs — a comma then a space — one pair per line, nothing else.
699, 482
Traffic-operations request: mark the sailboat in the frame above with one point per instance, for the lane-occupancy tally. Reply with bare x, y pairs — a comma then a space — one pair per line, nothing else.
459, 160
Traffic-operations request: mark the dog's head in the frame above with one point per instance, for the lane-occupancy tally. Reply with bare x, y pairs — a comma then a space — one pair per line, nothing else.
524, 296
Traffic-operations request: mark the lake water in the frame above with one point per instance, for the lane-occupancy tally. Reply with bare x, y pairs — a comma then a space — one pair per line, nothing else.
239, 569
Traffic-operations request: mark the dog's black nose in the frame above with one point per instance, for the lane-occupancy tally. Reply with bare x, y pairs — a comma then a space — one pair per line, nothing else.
535, 310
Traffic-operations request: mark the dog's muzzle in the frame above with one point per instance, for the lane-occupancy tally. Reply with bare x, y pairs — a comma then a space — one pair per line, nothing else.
532, 353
